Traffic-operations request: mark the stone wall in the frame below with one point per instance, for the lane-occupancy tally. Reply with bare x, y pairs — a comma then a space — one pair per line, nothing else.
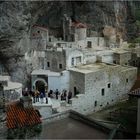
53, 82
96, 41
135, 60
36, 78
73, 53
77, 80
55, 59
45, 110
103, 88
122, 58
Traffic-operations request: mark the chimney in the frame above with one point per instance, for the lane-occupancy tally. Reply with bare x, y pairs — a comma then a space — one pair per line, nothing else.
26, 101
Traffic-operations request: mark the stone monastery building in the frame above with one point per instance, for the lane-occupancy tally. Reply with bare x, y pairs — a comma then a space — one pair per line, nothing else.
94, 73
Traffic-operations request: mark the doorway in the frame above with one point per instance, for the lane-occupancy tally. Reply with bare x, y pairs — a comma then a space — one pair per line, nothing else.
40, 86
75, 91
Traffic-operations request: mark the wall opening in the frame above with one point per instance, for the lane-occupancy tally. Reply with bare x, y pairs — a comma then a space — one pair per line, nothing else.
75, 91
48, 64
40, 86
103, 91
60, 66
72, 61
114, 61
89, 44
95, 103
109, 85
127, 80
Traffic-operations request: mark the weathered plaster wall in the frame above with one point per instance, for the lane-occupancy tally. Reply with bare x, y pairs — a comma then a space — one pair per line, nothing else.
77, 80
122, 58
120, 80
55, 58
73, 53
97, 41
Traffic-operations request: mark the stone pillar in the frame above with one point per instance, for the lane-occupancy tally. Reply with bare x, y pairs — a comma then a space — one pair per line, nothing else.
138, 119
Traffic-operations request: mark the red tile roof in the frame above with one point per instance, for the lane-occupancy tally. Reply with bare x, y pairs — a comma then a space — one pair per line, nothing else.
78, 25
40, 27
18, 116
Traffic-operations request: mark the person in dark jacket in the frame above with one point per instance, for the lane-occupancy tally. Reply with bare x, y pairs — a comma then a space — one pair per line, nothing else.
69, 96
56, 93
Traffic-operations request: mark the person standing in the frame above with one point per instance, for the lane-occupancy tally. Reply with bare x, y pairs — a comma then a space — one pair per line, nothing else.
37, 95
33, 95
56, 94
46, 100
69, 96
41, 97
65, 95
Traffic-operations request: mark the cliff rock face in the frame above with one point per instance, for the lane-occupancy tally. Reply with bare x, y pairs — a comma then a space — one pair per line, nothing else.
17, 17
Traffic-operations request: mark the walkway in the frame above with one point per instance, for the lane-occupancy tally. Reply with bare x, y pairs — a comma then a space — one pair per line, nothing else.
58, 105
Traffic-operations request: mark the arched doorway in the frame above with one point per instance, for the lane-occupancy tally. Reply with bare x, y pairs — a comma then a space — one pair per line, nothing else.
40, 86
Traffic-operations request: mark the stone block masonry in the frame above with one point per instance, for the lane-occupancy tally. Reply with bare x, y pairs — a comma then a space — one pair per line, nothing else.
103, 87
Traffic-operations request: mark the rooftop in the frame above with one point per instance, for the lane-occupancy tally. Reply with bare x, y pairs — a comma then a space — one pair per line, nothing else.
120, 51
73, 125
79, 25
89, 68
45, 72
40, 27
13, 85
18, 116
68, 128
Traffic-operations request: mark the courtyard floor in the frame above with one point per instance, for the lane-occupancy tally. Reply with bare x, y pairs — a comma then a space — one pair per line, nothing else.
56, 104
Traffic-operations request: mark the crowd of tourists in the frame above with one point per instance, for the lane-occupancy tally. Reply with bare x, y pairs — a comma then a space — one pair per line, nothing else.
64, 95
39, 96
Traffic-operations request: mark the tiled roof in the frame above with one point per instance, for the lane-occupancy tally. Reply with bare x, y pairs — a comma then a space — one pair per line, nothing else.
79, 25
40, 27
18, 116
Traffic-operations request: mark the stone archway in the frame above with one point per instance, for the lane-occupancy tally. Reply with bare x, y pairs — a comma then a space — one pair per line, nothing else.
40, 84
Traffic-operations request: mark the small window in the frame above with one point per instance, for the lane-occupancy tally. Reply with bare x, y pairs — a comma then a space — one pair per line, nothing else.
48, 64
114, 62
112, 100
60, 66
109, 85
38, 31
50, 39
125, 63
72, 61
126, 80
103, 91
89, 44
95, 103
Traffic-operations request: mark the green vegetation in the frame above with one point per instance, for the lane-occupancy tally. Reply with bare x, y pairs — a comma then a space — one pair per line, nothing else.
132, 45
137, 14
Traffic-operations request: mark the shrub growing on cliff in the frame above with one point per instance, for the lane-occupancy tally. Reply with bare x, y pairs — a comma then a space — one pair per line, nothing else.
132, 45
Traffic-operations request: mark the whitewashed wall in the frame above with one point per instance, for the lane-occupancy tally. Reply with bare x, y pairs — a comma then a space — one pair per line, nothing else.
94, 82
73, 53
81, 32
65, 80
96, 41
54, 82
